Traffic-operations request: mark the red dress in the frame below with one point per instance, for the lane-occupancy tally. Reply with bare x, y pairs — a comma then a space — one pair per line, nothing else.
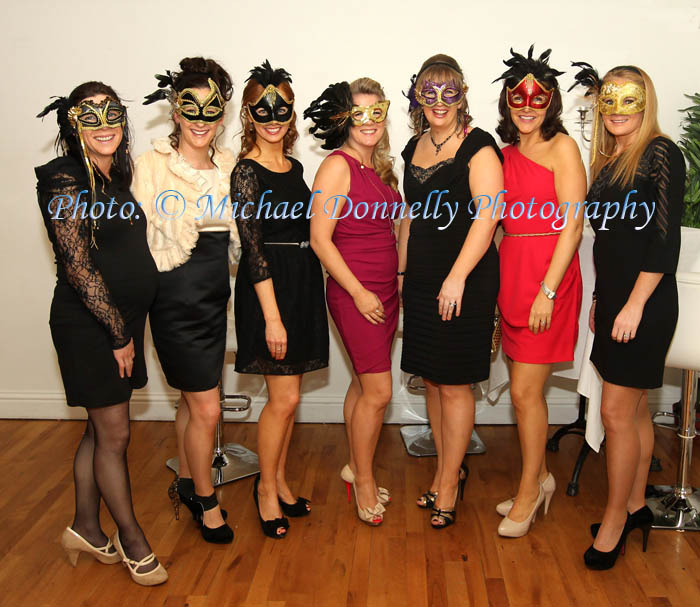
368, 247
531, 208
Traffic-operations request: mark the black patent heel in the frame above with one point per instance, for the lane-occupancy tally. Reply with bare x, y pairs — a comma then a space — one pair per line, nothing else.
601, 561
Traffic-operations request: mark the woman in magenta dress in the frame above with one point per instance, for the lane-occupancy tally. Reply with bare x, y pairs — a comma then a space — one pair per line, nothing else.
540, 295
352, 232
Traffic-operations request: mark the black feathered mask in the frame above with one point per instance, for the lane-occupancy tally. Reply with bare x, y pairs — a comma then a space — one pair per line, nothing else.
272, 105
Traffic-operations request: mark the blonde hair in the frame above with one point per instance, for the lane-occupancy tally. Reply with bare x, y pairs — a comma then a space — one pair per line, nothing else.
440, 73
626, 164
381, 160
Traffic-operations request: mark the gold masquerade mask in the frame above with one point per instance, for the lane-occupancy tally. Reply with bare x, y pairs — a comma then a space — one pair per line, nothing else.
625, 99
362, 114
271, 106
193, 109
91, 116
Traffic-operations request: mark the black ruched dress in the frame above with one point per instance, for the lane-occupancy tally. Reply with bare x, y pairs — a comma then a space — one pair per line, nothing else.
457, 351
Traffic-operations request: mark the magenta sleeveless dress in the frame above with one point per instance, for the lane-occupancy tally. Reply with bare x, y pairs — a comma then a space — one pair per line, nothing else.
368, 246
524, 262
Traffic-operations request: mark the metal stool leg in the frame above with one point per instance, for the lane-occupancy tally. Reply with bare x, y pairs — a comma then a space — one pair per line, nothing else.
418, 438
231, 461
578, 427
572, 489
678, 507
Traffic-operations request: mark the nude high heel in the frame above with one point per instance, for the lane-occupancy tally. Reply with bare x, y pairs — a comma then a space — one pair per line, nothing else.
74, 543
549, 486
511, 528
371, 516
383, 495
150, 578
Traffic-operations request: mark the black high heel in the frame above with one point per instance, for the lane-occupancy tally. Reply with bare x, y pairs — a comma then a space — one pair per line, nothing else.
601, 561
181, 491
298, 508
448, 517
639, 519
269, 527
222, 534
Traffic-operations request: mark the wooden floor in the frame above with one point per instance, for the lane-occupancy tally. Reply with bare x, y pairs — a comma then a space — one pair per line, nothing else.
331, 559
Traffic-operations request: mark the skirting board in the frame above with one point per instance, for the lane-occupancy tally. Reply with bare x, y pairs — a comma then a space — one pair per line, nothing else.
313, 409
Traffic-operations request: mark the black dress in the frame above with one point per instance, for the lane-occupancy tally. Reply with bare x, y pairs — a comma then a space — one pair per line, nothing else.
457, 351
102, 293
623, 250
294, 269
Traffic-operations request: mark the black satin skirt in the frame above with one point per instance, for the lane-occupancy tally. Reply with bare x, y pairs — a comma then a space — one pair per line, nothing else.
188, 318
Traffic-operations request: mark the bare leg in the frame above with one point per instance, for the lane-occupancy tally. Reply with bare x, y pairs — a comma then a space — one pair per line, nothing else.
87, 496
457, 420
182, 418
432, 404
645, 428
283, 489
527, 394
353, 393
273, 430
622, 444
204, 412
366, 423
111, 426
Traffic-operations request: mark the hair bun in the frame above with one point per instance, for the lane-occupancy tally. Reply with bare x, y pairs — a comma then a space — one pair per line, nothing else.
195, 64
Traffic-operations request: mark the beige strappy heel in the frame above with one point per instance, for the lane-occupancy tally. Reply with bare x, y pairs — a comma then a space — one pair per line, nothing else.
150, 578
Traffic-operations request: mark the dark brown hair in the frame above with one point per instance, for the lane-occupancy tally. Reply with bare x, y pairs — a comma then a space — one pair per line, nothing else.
552, 124
195, 73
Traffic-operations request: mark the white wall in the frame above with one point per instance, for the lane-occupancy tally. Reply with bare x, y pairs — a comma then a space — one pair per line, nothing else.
50, 47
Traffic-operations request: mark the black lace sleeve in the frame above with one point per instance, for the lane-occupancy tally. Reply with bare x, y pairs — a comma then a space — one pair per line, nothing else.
667, 170
245, 188
70, 234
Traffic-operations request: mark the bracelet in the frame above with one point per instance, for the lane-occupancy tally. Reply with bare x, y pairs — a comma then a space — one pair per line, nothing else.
400, 273
549, 294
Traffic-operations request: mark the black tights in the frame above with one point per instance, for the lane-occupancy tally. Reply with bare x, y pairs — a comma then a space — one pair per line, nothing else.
101, 472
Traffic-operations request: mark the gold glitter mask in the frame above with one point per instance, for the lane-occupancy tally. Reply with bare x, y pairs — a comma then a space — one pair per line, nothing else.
194, 109
623, 99
362, 114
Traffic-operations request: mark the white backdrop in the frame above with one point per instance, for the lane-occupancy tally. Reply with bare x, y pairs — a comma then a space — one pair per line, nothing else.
49, 47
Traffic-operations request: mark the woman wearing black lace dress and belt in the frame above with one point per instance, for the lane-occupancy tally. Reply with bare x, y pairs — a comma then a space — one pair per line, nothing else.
281, 323
106, 281
635, 306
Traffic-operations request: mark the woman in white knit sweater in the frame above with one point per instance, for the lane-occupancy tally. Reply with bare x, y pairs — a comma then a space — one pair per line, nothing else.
180, 185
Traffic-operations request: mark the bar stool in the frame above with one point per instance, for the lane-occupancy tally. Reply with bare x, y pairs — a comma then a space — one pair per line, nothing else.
418, 438
678, 506
231, 461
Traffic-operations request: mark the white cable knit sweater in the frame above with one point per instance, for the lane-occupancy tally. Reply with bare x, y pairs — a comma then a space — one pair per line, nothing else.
172, 230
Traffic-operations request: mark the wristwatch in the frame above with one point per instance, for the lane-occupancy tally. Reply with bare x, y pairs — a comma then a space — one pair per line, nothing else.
549, 294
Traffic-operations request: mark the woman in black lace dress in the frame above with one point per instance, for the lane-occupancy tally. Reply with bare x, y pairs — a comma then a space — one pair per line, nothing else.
106, 281
281, 323
635, 306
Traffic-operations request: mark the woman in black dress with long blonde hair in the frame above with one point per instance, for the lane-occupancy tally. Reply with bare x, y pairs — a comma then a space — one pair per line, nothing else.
106, 281
635, 306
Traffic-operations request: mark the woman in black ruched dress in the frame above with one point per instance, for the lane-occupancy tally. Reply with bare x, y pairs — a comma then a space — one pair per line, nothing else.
281, 323
451, 267
635, 205
106, 282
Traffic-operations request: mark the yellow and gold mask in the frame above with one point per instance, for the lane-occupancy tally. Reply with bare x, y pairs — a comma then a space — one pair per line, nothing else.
625, 99
362, 114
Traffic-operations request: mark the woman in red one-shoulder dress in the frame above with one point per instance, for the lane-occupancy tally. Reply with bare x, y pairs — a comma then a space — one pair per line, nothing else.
540, 295
352, 232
